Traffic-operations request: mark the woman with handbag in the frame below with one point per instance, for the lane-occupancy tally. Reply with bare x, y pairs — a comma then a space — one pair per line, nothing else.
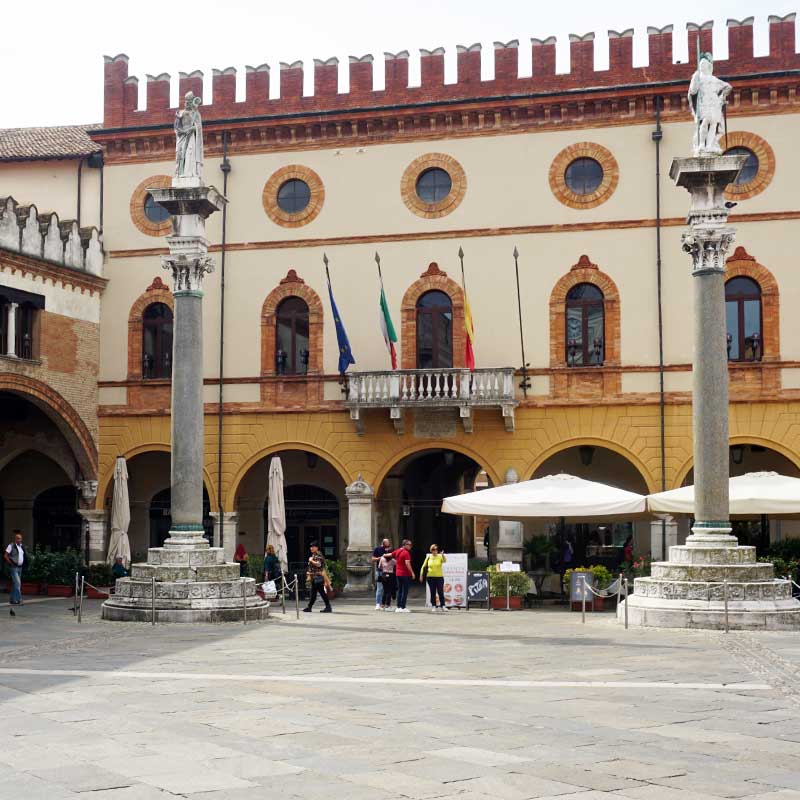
318, 579
432, 570
386, 566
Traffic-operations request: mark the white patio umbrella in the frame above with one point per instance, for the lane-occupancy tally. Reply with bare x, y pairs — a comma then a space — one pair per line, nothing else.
553, 496
120, 516
753, 493
277, 513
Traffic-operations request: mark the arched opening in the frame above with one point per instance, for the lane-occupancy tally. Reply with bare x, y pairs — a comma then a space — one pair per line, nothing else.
56, 523
434, 331
157, 341
585, 320
315, 503
160, 513
292, 337
759, 531
409, 501
743, 319
593, 542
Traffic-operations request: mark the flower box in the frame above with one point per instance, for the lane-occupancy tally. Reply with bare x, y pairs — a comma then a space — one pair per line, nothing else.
597, 604
29, 588
100, 593
514, 602
57, 590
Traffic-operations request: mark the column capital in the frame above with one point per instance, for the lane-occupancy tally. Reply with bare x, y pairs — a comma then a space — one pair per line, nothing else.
708, 247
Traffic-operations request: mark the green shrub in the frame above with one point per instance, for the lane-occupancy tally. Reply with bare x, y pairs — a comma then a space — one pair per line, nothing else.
63, 568
783, 567
100, 575
39, 566
518, 582
478, 564
538, 548
602, 576
337, 573
788, 550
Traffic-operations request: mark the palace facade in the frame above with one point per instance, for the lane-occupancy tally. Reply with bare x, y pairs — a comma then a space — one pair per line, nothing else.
568, 170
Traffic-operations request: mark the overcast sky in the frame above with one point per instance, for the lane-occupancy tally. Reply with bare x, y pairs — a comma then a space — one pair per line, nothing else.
52, 51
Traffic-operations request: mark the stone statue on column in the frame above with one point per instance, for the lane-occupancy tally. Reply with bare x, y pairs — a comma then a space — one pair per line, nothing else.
189, 142
707, 97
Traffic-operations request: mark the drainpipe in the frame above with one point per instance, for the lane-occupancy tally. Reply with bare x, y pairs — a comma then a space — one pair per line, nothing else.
657, 135
225, 167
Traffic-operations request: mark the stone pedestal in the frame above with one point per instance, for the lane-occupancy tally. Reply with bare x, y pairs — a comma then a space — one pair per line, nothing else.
226, 531
691, 588
191, 581
97, 541
661, 533
360, 499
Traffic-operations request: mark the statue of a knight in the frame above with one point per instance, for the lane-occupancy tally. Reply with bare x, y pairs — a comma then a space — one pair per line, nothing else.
707, 97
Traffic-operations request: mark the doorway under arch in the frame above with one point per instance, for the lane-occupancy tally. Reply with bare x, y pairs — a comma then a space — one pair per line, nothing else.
57, 525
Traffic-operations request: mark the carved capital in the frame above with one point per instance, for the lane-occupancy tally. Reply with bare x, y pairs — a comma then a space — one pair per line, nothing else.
708, 248
187, 273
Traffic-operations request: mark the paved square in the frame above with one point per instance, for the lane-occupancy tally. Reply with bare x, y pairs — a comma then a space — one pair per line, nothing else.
363, 704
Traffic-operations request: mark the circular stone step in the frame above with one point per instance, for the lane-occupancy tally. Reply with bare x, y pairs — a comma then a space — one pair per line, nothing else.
712, 573
712, 591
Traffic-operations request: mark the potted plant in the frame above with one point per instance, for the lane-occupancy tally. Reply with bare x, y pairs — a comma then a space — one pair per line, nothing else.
538, 549
602, 578
518, 585
336, 572
34, 573
102, 580
61, 574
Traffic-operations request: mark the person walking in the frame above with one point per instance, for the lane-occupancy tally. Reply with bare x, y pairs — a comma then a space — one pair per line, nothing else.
404, 571
14, 557
432, 570
272, 565
318, 579
377, 554
387, 565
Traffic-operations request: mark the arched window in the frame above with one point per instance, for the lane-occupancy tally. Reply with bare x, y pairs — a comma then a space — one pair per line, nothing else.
743, 316
434, 331
157, 341
585, 335
292, 337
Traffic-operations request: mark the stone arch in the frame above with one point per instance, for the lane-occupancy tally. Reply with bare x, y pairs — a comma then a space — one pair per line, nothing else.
432, 279
233, 489
151, 447
156, 292
742, 263
620, 450
422, 447
291, 286
63, 415
585, 272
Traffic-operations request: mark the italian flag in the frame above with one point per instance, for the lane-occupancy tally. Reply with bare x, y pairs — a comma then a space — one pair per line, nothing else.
387, 329
469, 355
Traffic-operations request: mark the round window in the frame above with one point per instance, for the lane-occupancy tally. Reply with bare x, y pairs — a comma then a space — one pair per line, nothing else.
750, 168
293, 196
583, 176
153, 211
433, 185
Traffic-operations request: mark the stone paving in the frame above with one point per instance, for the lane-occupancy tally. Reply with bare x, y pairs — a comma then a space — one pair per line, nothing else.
363, 704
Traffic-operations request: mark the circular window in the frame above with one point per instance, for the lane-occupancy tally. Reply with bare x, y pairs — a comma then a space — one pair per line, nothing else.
294, 196
147, 215
153, 211
758, 168
433, 185
583, 176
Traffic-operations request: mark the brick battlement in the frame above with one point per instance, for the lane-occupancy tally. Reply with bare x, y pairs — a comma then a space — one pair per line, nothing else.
122, 91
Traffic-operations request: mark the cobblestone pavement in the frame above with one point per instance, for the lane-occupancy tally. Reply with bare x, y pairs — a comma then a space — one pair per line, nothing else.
363, 704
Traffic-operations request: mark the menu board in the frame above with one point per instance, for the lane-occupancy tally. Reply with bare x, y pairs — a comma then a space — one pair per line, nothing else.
455, 580
478, 587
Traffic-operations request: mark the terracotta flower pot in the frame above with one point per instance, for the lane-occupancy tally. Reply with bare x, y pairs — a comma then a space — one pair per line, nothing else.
56, 590
30, 588
514, 602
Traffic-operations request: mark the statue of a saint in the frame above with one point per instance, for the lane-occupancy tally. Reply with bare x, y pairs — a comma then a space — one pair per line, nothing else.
707, 97
189, 140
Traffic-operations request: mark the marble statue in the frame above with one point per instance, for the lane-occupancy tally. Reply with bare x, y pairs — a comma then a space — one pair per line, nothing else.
189, 140
707, 97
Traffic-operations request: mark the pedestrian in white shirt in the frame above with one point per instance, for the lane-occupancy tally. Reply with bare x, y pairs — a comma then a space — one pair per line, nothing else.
15, 558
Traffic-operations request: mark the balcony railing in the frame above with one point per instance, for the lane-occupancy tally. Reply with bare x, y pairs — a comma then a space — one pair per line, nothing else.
432, 388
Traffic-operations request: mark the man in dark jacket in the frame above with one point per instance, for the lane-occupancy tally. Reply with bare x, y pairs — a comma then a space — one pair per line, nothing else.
317, 578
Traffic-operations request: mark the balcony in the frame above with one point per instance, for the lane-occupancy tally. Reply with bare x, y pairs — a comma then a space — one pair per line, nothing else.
460, 389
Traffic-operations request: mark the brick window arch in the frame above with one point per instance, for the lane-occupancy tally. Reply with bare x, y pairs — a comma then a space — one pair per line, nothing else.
156, 292
292, 286
742, 264
433, 279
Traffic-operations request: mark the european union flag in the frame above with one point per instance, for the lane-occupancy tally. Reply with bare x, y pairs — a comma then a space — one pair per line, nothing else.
345, 353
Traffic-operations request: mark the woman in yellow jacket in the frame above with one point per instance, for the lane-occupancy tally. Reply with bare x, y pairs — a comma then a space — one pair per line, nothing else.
432, 570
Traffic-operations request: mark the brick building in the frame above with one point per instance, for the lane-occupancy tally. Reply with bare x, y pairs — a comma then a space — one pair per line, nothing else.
570, 169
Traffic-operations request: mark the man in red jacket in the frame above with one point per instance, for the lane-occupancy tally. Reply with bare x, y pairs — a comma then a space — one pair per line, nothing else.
404, 572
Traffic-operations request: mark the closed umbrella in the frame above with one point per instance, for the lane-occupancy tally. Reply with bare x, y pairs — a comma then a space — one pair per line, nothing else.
120, 545
277, 513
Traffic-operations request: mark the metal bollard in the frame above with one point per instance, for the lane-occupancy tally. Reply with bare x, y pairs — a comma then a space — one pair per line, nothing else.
583, 601
626, 603
508, 591
75, 596
725, 601
153, 598
80, 602
296, 597
619, 589
244, 603
283, 594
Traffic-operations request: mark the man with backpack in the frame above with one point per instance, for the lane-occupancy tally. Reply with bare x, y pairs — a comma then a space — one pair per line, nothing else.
15, 559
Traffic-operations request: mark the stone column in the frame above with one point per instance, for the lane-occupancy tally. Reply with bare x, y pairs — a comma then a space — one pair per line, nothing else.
707, 242
657, 553
225, 531
360, 498
11, 330
97, 543
510, 534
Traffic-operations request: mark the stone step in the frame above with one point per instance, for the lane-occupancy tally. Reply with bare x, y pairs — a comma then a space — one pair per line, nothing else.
168, 572
680, 554
132, 589
184, 558
712, 573
708, 590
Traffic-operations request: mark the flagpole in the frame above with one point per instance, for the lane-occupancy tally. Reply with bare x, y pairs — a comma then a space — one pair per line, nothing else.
525, 383
463, 279
378, 262
344, 378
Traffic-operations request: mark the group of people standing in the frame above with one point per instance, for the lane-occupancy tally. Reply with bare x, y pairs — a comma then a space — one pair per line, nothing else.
394, 573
